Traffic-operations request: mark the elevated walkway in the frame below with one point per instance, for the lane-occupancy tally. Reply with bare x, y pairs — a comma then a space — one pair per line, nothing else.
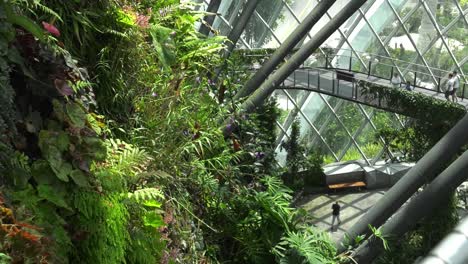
326, 81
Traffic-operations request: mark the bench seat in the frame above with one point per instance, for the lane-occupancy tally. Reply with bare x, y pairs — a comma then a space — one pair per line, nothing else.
347, 185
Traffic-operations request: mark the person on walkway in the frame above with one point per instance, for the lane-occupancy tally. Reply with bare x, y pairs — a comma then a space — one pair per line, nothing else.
449, 87
408, 86
396, 81
402, 50
456, 85
336, 214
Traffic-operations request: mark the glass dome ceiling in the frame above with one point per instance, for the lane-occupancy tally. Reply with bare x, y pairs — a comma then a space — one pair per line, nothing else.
427, 36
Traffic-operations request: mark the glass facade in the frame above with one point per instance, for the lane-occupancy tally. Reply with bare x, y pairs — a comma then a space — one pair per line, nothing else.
422, 40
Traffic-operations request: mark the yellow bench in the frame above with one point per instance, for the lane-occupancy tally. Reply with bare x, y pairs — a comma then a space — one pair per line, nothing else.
358, 184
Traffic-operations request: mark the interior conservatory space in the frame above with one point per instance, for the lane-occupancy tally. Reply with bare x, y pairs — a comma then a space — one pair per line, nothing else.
233, 131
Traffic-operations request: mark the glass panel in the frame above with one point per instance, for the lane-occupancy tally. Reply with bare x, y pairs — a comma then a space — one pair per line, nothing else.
352, 154
283, 24
229, 10
444, 11
458, 43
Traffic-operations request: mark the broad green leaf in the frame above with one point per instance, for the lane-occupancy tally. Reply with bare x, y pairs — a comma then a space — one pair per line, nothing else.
48, 193
4, 259
95, 147
22, 21
42, 173
63, 141
153, 219
95, 125
60, 167
127, 19
76, 114
152, 203
164, 45
58, 109
79, 178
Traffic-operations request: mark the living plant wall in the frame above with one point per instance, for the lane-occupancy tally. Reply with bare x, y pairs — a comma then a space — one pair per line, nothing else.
112, 145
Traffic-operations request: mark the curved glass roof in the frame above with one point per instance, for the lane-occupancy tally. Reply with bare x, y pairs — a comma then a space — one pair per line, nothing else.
420, 39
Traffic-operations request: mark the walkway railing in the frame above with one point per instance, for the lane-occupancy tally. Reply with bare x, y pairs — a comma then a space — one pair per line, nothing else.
378, 66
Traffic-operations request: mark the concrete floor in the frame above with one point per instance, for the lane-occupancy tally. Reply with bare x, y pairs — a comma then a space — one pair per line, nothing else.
353, 206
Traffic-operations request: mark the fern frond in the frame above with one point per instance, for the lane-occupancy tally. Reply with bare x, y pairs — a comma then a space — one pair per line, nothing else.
146, 194
47, 10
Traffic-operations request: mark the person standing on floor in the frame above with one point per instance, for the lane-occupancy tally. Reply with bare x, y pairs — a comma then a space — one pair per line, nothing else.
396, 80
336, 214
449, 87
456, 85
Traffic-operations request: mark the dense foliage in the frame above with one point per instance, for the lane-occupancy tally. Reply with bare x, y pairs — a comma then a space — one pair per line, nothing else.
112, 150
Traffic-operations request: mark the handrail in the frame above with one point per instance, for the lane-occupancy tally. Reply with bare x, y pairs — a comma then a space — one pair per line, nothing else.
415, 82
413, 71
365, 53
331, 69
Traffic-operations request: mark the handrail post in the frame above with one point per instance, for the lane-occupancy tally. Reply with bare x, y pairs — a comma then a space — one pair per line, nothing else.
308, 78
391, 74
350, 62
326, 61
463, 95
438, 86
369, 69
414, 84
294, 79
318, 79
333, 83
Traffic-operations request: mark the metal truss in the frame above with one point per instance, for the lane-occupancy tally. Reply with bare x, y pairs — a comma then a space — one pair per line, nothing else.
363, 16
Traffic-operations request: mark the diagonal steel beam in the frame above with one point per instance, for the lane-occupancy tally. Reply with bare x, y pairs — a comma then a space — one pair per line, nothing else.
291, 117
412, 41
345, 128
369, 118
436, 26
230, 27
311, 125
239, 26
268, 27
434, 40
356, 134
379, 40
208, 20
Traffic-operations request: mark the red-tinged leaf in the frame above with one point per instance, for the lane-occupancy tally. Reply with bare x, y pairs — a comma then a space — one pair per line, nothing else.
63, 88
51, 29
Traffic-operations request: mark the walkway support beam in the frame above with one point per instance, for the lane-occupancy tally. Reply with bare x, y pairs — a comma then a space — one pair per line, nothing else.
288, 45
208, 20
423, 205
434, 160
262, 93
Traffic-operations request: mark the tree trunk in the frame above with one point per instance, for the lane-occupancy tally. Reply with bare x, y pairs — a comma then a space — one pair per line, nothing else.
209, 19
297, 35
300, 56
433, 196
424, 170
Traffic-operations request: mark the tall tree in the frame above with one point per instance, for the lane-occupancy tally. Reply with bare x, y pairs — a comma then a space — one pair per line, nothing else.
294, 158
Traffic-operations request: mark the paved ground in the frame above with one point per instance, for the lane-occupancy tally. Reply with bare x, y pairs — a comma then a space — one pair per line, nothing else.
353, 206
